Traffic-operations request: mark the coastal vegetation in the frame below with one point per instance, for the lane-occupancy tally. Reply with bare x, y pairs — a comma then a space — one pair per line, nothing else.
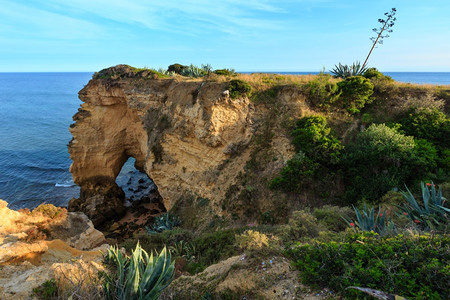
354, 197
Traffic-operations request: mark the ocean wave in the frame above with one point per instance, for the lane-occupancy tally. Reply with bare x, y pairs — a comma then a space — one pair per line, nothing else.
65, 184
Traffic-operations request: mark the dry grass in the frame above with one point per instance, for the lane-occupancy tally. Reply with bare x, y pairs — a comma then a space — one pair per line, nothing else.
79, 280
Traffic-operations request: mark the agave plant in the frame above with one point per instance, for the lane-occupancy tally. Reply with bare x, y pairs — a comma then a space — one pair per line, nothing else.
139, 277
344, 71
193, 71
431, 212
182, 249
163, 222
370, 220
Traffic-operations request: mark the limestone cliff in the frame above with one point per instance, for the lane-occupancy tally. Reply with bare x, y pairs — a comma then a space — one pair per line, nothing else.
189, 136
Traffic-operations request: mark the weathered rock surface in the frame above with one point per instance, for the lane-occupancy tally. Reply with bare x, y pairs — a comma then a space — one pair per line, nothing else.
240, 277
189, 137
37, 246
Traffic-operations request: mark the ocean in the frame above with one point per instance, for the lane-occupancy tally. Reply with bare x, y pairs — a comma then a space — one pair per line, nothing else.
36, 110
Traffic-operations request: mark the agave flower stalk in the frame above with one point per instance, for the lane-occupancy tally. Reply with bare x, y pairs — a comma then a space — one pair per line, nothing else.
387, 25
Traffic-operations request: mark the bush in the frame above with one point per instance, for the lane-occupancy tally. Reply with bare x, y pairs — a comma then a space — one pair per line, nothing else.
331, 217
312, 136
214, 246
410, 266
355, 93
48, 290
295, 174
322, 91
430, 124
239, 88
379, 160
373, 73
317, 151
301, 225
252, 240
177, 68
225, 72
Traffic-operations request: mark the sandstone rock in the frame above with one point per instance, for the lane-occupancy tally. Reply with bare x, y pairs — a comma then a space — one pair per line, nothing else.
176, 131
26, 263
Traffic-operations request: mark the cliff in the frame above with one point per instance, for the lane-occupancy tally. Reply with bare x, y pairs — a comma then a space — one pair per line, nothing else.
189, 136
212, 148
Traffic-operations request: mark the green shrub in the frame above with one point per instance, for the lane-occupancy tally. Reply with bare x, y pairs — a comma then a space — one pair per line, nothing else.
156, 242
433, 126
215, 246
239, 88
373, 73
355, 93
317, 152
379, 160
322, 91
313, 137
331, 217
177, 68
225, 72
415, 267
138, 277
48, 290
301, 225
295, 174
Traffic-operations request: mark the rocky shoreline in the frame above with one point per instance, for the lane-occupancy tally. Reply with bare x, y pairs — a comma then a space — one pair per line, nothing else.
45, 243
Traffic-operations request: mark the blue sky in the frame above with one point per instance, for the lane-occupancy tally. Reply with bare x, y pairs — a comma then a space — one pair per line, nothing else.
247, 35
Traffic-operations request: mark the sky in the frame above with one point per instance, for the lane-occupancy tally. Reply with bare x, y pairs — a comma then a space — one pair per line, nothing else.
246, 35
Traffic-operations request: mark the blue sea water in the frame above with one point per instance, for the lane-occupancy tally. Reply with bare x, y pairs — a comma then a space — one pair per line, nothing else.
36, 110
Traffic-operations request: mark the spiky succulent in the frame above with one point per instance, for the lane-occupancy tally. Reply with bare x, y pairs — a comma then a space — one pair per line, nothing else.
139, 277
165, 221
344, 71
431, 212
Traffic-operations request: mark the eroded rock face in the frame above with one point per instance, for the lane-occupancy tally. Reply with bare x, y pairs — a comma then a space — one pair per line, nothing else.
180, 133
43, 244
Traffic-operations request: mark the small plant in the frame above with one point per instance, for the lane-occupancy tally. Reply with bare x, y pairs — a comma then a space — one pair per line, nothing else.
165, 221
301, 225
194, 71
430, 212
138, 277
252, 240
48, 290
322, 91
345, 71
370, 220
225, 72
157, 151
182, 249
239, 88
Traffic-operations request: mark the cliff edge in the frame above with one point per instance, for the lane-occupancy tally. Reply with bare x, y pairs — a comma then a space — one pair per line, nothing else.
189, 136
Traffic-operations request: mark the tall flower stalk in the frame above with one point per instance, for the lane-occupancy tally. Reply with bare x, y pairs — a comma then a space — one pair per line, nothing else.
386, 27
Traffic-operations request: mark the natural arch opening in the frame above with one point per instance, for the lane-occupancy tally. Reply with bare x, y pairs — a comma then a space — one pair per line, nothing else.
142, 198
